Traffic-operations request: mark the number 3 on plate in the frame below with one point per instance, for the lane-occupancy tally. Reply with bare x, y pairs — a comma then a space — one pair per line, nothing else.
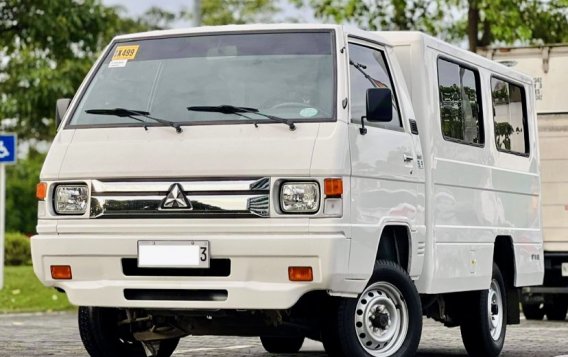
203, 256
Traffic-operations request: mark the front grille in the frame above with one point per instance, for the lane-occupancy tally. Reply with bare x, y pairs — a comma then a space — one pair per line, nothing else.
217, 268
175, 294
242, 198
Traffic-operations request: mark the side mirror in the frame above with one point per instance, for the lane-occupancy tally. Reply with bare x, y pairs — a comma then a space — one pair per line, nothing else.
61, 107
379, 105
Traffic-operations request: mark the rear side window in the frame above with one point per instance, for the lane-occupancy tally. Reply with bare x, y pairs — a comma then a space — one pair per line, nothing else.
460, 103
510, 117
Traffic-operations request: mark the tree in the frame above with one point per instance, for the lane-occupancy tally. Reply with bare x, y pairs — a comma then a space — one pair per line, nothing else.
481, 22
380, 14
47, 47
224, 12
21, 204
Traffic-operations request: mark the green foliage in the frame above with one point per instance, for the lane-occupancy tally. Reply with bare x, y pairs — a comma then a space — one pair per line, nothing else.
17, 249
482, 22
21, 203
225, 12
23, 292
380, 14
47, 47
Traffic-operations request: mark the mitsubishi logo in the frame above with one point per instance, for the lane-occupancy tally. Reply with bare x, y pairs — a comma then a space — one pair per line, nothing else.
175, 199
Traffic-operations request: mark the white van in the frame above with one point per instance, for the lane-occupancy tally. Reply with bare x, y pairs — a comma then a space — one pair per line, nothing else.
292, 182
547, 65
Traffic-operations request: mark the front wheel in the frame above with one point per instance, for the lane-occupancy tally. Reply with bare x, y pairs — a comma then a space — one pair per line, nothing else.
104, 335
284, 344
385, 320
483, 330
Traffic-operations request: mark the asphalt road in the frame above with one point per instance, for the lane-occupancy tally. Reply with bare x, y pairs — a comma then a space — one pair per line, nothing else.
57, 335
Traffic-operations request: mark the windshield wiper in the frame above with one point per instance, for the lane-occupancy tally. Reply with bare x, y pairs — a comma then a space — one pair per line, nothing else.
229, 109
129, 113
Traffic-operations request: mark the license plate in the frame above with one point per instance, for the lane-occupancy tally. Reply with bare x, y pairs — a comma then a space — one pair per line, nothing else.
564, 269
173, 254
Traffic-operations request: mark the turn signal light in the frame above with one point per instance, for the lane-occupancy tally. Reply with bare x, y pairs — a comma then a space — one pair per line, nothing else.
333, 187
61, 272
300, 274
41, 191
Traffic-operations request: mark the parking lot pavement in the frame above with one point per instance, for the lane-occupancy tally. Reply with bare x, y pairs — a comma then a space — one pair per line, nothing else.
57, 335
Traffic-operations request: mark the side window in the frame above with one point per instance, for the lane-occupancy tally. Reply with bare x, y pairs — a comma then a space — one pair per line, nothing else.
509, 116
368, 69
460, 103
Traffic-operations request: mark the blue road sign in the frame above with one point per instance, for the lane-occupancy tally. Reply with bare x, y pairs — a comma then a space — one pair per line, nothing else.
8, 148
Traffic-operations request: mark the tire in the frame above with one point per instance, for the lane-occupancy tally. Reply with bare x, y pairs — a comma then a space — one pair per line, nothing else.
483, 330
556, 308
102, 337
385, 320
285, 344
533, 311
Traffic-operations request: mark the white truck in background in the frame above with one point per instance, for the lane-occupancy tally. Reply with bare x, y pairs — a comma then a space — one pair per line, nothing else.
548, 65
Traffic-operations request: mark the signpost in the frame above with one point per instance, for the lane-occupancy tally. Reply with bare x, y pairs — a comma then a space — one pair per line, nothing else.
7, 157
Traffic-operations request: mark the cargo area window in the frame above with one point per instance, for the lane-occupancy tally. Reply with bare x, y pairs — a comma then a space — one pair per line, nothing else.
460, 103
510, 117
368, 69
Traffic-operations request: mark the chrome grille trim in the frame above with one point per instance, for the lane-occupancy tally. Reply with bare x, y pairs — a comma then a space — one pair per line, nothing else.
103, 187
220, 198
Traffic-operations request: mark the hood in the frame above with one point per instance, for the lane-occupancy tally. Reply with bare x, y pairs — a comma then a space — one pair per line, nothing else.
199, 151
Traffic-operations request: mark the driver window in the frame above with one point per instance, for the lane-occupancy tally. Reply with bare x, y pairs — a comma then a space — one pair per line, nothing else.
368, 69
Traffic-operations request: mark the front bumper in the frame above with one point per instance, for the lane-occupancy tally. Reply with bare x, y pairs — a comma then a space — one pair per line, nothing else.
258, 277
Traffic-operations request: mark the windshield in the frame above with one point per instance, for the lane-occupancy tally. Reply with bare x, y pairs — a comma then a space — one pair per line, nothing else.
285, 75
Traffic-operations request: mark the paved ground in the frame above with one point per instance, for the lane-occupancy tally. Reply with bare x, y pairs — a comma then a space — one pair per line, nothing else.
56, 335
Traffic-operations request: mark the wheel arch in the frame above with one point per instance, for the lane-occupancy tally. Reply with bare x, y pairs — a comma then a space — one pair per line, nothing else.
395, 244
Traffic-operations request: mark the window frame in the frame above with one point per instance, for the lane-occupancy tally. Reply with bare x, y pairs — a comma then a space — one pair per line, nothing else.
479, 91
87, 81
525, 115
375, 46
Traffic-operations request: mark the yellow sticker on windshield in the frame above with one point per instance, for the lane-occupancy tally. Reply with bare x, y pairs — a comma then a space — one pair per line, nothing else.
125, 52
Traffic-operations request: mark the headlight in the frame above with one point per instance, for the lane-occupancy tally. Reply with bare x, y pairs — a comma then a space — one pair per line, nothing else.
71, 199
299, 197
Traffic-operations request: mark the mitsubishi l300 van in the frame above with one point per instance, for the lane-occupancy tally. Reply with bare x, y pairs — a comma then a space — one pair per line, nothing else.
291, 182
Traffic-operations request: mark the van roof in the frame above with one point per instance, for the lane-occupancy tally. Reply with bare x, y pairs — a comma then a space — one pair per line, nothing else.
407, 38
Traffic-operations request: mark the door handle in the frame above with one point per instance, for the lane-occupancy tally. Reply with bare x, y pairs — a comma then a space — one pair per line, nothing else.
407, 158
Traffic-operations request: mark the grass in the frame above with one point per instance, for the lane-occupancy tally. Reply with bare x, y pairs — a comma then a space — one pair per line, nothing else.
23, 292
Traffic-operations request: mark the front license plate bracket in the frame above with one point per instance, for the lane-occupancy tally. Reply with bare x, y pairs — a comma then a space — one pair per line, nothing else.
173, 254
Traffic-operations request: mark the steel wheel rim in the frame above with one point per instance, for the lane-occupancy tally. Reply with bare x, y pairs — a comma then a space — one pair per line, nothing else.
381, 319
495, 310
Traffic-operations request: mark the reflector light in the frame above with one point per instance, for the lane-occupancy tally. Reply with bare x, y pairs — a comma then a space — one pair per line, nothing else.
61, 272
333, 187
41, 191
300, 274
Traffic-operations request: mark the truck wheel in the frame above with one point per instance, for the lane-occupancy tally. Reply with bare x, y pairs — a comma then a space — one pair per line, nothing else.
277, 344
533, 311
483, 331
556, 309
103, 337
385, 320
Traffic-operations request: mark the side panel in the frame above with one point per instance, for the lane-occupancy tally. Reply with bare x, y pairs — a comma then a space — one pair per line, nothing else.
474, 194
